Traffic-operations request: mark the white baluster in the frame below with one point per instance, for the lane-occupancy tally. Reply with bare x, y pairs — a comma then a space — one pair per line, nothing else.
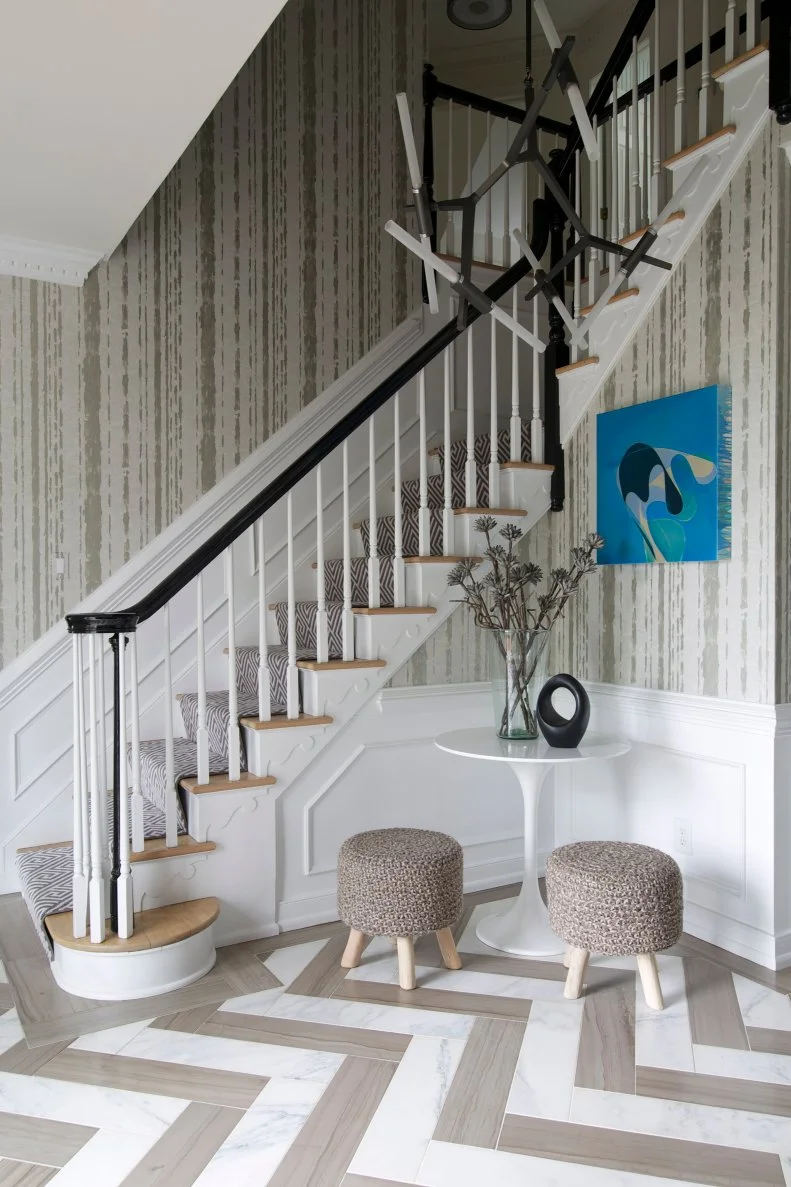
488, 242
594, 169
468, 187
171, 815
124, 883
645, 215
348, 617
656, 137
615, 223
202, 732
627, 177
104, 783
373, 522
494, 463
79, 881
577, 258
635, 129
536, 424
137, 805
234, 740
448, 518
399, 569
516, 419
264, 683
424, 515
451, 235
292, 678
731, 31
470, 472
705, 75
322, 625
86, 826
96, 891
681, 83
506, 239
753, 24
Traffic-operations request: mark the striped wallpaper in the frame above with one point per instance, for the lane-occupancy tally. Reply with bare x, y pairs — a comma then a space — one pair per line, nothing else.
706, 629
257, 274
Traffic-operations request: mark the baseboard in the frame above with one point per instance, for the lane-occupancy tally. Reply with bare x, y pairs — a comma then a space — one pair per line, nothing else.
242, 935
733, 936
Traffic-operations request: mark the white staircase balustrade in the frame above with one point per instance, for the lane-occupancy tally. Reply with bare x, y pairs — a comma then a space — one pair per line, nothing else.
171, 821
292, 677
234, 744
202, 739
399, 569
136, 794
448, 518
264, 686
373, 537
80, 799
322, 627
516, 419
96, 888
494, 464
348, 617
123, 888
470, 472
679, 137
424, 515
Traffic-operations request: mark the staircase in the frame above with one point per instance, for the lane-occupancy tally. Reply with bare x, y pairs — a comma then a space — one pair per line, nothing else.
345, 564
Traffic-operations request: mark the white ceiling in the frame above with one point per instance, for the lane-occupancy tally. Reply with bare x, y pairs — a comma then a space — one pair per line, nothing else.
568, 15
98, 100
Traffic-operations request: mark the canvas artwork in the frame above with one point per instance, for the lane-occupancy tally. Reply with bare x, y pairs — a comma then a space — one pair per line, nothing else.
664, 479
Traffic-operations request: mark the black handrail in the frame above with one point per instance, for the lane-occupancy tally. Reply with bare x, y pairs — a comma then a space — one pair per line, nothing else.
493, 107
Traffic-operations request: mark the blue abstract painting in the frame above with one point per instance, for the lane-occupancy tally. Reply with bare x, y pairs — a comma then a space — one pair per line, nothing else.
664, 479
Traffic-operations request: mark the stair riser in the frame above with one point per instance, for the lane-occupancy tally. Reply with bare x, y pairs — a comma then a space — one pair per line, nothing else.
122, 976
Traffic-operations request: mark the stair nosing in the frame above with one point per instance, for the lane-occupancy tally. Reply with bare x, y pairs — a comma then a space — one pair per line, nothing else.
113, 946
248, 782
281, 722
726, 131
340, 665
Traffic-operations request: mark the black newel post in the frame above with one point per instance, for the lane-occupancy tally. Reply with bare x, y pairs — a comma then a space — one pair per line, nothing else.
780, 59
118, 758
557, 352
429, 97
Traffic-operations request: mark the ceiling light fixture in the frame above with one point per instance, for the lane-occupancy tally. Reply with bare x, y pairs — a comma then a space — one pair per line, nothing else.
478, 14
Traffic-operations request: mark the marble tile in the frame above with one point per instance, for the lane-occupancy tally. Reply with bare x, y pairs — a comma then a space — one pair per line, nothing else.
252, 1152
679, 1119
544, 1077
3, 974
287, 963
761, 1006
663, 1037
37, 1140
371, 1016
464, 981
449, 1165
106, 1160
11, 1031
233, 1055
110, 1042
253, 1003
396, 1140
85, 1104
184, 1151
743, 1065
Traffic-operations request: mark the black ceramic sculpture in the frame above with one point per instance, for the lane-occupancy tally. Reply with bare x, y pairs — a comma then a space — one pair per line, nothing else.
563, 732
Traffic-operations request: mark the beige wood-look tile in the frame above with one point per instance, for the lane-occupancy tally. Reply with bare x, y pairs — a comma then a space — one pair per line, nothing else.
690, 945
665, 1158
243, 971
473, 1111
6, 996
187, 1021
305, 935
312, 1036
26, 1061
446, 1000
24, 1174
237, 1090
324, 974
366, 1181
714, 1015
33, 1139
189, 1144
754, 1096
427, 954
18, 937
606, 1051
327, 1142
777, 1042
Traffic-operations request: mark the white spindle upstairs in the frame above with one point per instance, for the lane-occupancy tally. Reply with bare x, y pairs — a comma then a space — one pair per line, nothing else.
322, 625
234, 741
705, 72
264, 688
101, 709
753, 35
448, 518
488, 251
614, 224
136, 796
202, 732
399, 569
292, 678
494, 464
578, 257
171, 817
657, 191
730, 31
347, 624
634, 125
373, 545
96, 890
79, 880
594, 198
123, 886
424, 515
451, 231
536, 424
470, 471
516, 420
681, 84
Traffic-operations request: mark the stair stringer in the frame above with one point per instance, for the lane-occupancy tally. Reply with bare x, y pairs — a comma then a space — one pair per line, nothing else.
746, 98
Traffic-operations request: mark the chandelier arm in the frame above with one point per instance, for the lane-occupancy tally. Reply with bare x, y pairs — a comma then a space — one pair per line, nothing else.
557, 192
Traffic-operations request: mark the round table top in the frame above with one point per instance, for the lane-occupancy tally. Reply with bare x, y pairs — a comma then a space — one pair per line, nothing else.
484, 743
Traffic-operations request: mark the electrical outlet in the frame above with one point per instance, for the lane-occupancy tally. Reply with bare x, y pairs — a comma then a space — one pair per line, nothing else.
683, 836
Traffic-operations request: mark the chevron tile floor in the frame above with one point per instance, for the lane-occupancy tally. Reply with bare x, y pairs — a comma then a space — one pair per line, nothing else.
282, 1069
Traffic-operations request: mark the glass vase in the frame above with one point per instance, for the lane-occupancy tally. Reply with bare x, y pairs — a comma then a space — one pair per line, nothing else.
518, 662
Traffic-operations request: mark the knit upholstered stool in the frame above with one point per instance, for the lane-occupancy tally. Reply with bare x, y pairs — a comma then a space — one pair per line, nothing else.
617, 899
400, 882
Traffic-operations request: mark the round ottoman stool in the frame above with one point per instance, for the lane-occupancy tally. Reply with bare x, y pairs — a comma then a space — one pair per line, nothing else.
400, 882
617, 899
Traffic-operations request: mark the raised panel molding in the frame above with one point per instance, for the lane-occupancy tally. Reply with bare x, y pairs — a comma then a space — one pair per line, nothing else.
46, 261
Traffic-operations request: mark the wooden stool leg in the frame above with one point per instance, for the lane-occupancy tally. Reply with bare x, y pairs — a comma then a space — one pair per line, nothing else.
567, 957
578, 962
354, 949
406, 962
649, 975
447, 947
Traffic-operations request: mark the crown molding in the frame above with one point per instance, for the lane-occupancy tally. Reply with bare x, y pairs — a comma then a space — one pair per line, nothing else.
46, 261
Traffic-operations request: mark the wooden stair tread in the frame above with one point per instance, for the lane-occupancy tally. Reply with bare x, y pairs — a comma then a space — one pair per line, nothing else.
762, 48
339, 665
384, 611
246, 782
675, 217
526, 466
440, 560
456, 260
712, 138
281, 722
155, 928
488, 511
591, 362
154, 848
613, 300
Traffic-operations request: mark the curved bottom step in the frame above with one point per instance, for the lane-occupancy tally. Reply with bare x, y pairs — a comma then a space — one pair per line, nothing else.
172, 947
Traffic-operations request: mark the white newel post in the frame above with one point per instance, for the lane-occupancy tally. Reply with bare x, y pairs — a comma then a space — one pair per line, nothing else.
494, 463
264, 685
348, 616
234, 731
124, 890
104, 782
322, 626
202, 732
137, 805
373, 522
96, 891
399, 571
424, 516
292, 679
171, 814
80, 801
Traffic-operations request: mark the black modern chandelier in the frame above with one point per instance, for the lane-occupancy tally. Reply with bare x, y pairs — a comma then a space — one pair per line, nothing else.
478, 14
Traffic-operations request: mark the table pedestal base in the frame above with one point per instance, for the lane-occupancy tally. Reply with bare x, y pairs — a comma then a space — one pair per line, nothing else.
523, 930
